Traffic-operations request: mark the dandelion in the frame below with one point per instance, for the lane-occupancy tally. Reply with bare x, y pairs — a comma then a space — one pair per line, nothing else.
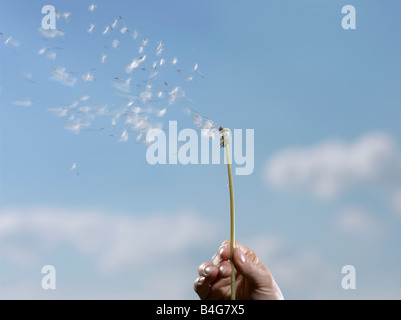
224, 142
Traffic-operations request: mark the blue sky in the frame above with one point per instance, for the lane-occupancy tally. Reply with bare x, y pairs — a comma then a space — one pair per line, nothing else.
325, 106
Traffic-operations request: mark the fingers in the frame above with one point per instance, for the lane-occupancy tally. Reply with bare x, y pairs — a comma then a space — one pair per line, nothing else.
207, 274
247, 263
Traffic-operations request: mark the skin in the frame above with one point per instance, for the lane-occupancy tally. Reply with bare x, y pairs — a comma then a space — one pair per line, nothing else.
253, 280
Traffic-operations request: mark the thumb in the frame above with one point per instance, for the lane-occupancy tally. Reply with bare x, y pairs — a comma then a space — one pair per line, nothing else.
247, 263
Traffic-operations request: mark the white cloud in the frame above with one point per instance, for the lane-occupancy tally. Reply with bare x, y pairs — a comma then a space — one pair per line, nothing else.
359, 223
120, 256
332, 167
116, 241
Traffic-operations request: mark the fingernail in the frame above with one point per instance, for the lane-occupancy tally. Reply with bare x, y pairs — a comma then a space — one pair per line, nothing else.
207, 270
201, 280
222, 269
222, 250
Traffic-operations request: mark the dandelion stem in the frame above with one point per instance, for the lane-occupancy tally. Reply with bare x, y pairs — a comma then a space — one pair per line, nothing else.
232, 220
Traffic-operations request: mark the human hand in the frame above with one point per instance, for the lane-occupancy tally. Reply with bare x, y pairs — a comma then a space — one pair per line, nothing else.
253, 280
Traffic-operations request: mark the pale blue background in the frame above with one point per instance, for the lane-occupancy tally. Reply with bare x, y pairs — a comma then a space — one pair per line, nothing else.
283, 68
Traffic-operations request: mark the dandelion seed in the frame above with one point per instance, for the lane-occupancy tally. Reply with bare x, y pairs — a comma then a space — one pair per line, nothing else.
26, 102
161, 112
76, 126
174, 61
84, 110
129, 104
106, 30
91, 27
66, 15
139, 137
124, 136
28, 77
145, 96
61, 75
144, 42
87, 77
84, 98
124, 29
162, 62
114, 24
51, 33
115, 43
160, 94
135, 34
134, 64
42, 50
74, 166
160, 48
51, 55
153, 74
92, 7
190, 78
140, 49
195, 67
60, 111
103, 59
10, 41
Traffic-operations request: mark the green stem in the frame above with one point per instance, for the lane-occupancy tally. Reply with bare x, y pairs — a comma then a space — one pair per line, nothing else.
232, 222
